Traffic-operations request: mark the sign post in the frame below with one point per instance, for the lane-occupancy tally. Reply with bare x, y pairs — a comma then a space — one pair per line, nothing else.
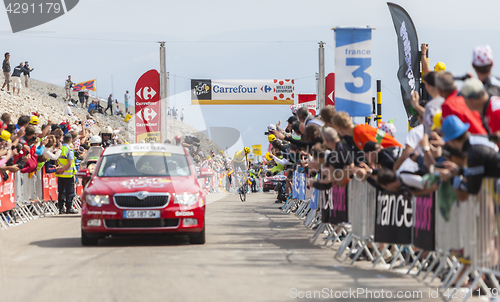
147, 107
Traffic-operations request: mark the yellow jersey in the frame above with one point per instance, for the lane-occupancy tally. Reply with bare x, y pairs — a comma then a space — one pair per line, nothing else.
239, 156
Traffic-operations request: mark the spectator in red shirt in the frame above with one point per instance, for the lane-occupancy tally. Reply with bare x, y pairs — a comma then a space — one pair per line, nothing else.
455, 104
477, 99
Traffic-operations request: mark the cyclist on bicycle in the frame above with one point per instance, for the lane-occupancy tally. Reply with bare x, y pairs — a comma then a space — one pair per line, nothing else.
240, 160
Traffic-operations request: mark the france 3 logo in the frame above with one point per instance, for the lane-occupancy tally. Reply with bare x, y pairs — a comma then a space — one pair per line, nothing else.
25, 14
201, 89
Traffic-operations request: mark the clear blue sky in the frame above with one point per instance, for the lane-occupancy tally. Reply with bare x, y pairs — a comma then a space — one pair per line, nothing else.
116, 39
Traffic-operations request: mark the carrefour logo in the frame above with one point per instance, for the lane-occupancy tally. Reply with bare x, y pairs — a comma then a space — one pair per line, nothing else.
235, 89
266, 88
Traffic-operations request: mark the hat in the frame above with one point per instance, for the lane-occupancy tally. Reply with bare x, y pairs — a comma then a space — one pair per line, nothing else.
453, 127
388, 127
370, 146
271, 138
292, 119
271, 127
471, 88
69, 104
34, 120
430, 78
5, 135
482, 56
440, 66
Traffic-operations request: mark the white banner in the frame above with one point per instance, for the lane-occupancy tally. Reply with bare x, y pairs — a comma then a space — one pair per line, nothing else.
353, 80
242, 92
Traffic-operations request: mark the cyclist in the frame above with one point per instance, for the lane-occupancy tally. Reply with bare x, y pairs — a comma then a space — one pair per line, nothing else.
240, 160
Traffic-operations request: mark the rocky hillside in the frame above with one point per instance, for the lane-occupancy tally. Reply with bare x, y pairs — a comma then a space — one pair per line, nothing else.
36, 99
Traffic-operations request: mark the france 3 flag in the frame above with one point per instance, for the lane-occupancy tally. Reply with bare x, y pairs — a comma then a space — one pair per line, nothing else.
353, 65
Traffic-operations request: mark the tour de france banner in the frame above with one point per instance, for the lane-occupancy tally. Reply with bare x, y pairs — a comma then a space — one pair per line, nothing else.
393, 217
409, 60
333, 204
242, 92
423, 228
353, 80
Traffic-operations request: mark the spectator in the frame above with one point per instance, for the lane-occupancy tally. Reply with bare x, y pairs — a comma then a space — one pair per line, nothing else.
81, 97
68, 85
16, 78
413, 139
126, 98
482, 158
6, 71
455, 104
67, 110
110, 105
477, 99
86, 95
182, 115
27, 73
482, 61
92, 107
118, 111
434, 105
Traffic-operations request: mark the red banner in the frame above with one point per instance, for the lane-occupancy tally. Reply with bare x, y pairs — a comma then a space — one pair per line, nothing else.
147, 107
330, 89
308, 100
7, 193
49, 186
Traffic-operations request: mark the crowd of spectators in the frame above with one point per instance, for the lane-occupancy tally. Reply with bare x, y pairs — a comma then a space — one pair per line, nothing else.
455, 143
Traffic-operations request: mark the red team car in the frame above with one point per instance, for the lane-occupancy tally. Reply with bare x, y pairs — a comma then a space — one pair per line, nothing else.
143, 188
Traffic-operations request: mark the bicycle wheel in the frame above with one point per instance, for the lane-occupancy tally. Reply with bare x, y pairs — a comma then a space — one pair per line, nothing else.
243, 193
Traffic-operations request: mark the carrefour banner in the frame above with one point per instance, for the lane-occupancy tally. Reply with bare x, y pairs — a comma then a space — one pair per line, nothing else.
353, 80
242, 92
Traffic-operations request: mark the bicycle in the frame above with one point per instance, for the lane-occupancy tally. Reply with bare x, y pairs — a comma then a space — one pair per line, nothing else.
244, 187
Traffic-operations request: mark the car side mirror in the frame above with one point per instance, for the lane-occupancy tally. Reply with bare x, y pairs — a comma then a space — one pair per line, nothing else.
83, 173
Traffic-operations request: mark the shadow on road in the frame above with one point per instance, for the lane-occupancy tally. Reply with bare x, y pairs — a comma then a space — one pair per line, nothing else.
113, 242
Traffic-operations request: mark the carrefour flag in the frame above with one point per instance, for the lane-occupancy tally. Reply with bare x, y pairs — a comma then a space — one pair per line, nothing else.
353, 66
89, 85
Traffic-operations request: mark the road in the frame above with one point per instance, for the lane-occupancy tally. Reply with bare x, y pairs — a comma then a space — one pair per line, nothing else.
254, 252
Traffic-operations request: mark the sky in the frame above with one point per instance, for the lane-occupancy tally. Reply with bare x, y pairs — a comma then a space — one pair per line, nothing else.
115, 41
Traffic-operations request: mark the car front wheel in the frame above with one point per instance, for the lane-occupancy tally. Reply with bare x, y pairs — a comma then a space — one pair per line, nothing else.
89, 241
198, 238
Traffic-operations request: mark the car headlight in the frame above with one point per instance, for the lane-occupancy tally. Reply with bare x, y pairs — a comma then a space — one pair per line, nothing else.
97, 200
186, 199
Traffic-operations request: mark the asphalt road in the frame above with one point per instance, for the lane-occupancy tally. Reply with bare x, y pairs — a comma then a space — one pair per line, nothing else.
254, 252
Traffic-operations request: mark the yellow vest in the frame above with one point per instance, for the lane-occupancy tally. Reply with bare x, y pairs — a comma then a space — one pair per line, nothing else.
63, 161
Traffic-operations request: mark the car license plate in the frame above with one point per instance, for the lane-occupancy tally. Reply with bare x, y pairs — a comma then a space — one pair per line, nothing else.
141, 214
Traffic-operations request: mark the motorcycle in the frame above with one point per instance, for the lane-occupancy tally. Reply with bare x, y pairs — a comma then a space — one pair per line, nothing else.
90, 161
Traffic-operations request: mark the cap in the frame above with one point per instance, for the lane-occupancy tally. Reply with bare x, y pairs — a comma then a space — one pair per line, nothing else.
34, 120
471, 88
430, 78
440, 66
5, 135
388, 128
69, 103
271, 138
482, 56
271, 127
370, 146
292, 119
453, 127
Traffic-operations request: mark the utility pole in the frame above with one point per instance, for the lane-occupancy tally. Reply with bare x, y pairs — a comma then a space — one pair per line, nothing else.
163, 92
321, 92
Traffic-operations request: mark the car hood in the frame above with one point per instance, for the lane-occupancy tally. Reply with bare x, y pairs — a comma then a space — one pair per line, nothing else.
114, 185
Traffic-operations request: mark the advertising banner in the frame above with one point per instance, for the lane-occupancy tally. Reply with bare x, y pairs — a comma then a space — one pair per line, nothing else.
309, 100
334, 205
242, 92
49, 190
409, 59
394, 217
423, 229
330, 89
147, 107
299, 186
353, 80
7, 193
257, 150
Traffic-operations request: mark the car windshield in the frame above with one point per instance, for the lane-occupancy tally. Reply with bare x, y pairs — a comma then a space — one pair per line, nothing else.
137, 164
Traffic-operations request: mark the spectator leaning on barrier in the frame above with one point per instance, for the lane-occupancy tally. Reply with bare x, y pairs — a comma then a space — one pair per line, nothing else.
482, 158
482, 62
477, 99
6, 71
65, 177
434, 105
455, 104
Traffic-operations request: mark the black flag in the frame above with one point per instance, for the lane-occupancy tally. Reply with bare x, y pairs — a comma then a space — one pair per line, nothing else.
409, 60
